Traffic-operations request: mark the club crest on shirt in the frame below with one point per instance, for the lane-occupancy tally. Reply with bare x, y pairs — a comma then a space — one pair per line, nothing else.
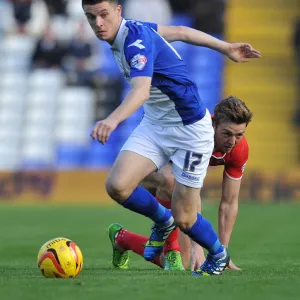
138, 62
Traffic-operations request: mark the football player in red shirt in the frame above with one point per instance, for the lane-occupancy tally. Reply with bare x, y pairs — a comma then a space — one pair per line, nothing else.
231, 117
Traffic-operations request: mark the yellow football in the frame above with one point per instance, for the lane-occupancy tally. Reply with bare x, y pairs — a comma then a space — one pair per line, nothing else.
60, 258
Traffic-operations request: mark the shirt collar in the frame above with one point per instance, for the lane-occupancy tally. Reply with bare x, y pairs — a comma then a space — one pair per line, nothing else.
218, 155
117, 44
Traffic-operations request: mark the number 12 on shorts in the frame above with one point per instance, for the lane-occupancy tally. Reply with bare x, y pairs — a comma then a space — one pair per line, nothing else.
190, 166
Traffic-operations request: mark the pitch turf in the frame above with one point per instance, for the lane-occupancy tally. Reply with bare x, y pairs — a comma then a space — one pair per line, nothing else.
265, 244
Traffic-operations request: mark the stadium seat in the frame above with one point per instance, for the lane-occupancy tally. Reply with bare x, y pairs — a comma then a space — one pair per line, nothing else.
16, 52
12, 100
10, 158
34, 132
10, 136
71, 134
74, 10
82, 97
9, 148
206, 61
13, 62
38, 115
9, 119
70, 156
62, 27
74, 115
16, 81
210, 95
39, 151
77, 110
19, 45
206, 79
101, 157
7, 19
73, 121
47, 79
181, 20
156, 11
42, 99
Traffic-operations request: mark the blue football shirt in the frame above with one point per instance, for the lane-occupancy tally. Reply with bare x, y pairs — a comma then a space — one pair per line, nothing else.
140, 51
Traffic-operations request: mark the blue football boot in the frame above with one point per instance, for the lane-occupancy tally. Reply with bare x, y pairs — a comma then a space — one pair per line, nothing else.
155, 244
214, 264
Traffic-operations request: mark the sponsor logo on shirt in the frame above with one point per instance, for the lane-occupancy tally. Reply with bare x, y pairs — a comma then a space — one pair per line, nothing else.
191, 177
138, 62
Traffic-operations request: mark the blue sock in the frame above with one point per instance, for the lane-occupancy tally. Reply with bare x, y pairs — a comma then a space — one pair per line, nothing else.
203, 233
142, 202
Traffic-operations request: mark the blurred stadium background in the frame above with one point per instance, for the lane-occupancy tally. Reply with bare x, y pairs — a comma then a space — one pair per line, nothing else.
57, 80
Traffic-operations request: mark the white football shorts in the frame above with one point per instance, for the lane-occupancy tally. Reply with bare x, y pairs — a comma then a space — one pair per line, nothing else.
188, 147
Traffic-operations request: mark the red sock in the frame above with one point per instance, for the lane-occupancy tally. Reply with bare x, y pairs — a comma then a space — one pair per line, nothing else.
172, 240
166, 204
127, 240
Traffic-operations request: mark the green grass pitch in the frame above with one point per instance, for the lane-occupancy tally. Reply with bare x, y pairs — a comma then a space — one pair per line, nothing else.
265, 245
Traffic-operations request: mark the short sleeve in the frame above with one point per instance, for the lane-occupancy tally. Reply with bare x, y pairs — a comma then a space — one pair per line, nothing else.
139, 53
235, 166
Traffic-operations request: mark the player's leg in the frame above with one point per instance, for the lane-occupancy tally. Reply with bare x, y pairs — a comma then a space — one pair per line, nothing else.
178, 251
165, 186
192, 254
139, 157
161, 183
122, 186
200, 230
185, 249
122, 241
172, 255
120, 257
178, 242
137, 199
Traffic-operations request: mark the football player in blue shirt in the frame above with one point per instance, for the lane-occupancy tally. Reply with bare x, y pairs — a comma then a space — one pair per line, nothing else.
176, 125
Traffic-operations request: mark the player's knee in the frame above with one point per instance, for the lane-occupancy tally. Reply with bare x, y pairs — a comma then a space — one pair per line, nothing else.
117, 190
184, 222
184, 225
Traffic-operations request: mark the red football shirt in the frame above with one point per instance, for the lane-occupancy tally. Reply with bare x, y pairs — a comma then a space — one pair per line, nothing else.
234, 162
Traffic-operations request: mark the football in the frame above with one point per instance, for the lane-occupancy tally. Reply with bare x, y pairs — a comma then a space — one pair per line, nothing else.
60, 258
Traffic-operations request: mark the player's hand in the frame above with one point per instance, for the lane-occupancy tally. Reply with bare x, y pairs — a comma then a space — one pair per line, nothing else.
242, 52
103, 129
232, 266
197, 256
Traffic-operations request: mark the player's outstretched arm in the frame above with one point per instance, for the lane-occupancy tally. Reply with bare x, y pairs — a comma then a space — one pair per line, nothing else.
138, 95
228, 211
237, 52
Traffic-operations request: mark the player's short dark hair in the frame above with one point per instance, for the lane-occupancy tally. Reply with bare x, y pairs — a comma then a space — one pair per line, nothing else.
233, 110
93, 2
